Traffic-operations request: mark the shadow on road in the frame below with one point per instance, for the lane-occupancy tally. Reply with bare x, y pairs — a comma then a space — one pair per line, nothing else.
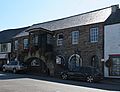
100, 85
7, 76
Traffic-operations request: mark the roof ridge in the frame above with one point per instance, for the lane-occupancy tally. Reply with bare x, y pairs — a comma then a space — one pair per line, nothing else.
15, 29
73, 15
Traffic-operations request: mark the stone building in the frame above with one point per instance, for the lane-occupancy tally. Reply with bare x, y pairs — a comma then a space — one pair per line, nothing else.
35, 49
67, 43
75, 41
20, 45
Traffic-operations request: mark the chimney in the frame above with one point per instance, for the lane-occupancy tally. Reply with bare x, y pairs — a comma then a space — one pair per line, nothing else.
114, 8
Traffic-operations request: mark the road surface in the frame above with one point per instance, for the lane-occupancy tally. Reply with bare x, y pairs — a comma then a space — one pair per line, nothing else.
28, 83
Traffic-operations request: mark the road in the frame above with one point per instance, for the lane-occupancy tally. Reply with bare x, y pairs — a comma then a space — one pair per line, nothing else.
28, 83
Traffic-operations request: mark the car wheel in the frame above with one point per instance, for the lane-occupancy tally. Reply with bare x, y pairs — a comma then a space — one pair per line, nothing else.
4, 69
14, 70
64, 76
89, 79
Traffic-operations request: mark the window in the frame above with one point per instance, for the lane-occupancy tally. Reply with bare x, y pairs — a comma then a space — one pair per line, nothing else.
49, 39
16, 45
94, 35
25, 43
3, 47
95, 61
59, 39
13, 63
75, 37
35, 62
35, 40
114, 69
60, 60
75, 61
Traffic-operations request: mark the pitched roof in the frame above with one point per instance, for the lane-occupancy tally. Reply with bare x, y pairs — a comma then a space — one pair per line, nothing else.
96, 16
114, 18
21, 34
6, 35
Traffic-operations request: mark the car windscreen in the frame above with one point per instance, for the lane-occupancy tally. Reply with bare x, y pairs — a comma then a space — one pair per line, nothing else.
88, 70
13, 63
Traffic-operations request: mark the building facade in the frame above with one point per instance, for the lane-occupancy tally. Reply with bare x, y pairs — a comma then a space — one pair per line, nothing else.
112, 45
77, 40
20, 46
67, 43
5, 44
35, 49
5, 50
79, 46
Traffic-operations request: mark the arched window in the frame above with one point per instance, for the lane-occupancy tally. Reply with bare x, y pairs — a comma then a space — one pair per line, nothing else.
95, 61
75, 61
60, 59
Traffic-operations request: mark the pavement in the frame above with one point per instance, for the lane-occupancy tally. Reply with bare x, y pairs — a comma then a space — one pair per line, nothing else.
111, 81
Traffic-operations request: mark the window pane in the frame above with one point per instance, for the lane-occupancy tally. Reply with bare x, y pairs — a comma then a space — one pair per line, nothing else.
59, 39
75, 37
60, 36
16, 44
35, 39
115, 69
3, 47
25, 43
94, 35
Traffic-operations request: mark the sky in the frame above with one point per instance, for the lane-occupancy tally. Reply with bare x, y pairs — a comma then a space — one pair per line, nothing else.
22, 13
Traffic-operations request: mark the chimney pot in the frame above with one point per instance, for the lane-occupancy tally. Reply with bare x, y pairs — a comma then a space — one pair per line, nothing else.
114, 8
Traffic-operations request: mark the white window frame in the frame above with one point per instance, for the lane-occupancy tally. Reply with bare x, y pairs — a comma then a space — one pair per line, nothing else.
59, 40
25, 43
94, 33
75, 37
16, 44
59, 59
77, 64
4, 47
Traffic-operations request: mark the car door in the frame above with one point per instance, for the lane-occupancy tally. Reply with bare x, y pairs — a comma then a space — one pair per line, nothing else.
14, 65
10, 66
74, 73
7, 66
81, 73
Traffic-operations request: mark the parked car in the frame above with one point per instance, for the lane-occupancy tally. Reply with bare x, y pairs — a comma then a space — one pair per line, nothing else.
89, 74
0, 67
14, 66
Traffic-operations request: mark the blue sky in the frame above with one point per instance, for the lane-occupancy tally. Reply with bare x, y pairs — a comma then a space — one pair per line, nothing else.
21, 13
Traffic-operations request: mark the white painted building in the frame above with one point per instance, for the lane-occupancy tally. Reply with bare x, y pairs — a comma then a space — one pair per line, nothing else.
112, 45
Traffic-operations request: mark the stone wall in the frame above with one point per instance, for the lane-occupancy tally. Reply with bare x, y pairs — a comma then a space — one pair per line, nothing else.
84, 48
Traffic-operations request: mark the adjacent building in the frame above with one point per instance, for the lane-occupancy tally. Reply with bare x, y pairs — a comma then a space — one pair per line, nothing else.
20, 45
112, 45
5, 44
